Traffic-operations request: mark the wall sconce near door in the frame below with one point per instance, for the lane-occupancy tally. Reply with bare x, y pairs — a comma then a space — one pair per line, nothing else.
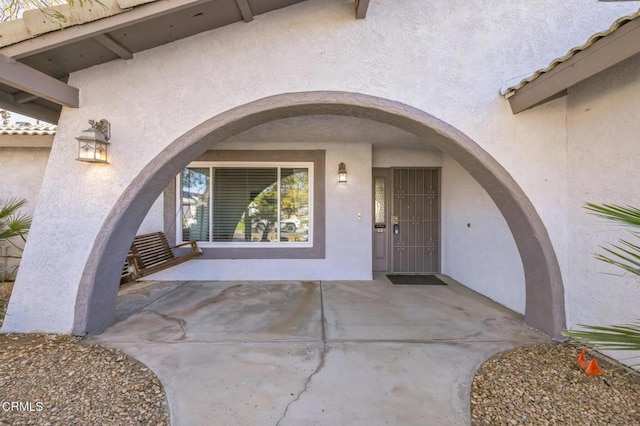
342, 173
93, 143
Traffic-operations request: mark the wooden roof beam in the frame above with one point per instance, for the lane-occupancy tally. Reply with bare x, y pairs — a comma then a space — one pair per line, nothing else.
29, 109
24, 97
26, 79
361, 8
113, 46
245, 10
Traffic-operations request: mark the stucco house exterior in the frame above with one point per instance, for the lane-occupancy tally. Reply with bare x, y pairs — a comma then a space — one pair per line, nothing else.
24, 153
230, 120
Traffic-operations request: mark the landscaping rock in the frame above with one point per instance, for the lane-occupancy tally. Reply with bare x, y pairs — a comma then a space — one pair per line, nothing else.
543, 385
53, 379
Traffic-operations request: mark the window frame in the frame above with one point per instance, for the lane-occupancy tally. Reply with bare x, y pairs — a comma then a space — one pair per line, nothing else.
278, 165
317, 156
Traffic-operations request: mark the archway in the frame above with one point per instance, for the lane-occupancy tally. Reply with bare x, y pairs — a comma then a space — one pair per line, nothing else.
97, 294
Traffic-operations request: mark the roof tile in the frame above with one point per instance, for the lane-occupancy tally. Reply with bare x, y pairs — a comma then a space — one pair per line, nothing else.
594, 38
28, 129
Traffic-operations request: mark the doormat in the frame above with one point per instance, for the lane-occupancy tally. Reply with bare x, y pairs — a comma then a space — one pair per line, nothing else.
416, 280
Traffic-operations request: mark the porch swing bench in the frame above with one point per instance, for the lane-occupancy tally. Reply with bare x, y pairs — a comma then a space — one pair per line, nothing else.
150, 253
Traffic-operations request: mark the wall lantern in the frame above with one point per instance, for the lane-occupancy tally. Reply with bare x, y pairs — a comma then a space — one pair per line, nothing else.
342, 173
93, 143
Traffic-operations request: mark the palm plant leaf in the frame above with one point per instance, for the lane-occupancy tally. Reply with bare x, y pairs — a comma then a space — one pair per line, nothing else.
16, 226
625, 255
627, 258
12, 223
625, 215
9, 207
617, 337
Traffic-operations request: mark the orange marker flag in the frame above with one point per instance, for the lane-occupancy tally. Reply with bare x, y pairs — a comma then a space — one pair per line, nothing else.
593, 369
582, 359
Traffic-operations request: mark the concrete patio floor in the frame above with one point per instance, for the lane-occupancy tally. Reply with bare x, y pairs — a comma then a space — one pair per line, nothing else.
314, 353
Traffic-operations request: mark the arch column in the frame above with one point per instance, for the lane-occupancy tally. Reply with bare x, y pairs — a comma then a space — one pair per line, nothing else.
544, 310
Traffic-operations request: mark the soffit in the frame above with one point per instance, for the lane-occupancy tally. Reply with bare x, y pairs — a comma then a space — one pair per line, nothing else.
602, 50
120, 28
63, 51
331, 128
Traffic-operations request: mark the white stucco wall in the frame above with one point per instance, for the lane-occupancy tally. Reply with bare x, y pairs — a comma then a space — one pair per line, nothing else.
604, 154
406, 158
478, 249
446, 58
347, 227
154, 221
21, 174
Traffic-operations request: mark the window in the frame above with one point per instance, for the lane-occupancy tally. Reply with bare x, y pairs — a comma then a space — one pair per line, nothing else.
246, 204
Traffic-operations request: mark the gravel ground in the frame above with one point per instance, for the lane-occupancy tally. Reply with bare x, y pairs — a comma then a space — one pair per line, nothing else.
61, 380
543, 385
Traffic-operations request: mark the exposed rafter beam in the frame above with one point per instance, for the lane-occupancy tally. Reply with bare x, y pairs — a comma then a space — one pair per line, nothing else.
22, 77
113, 46
29, 109
24, 97
361, 8
91, 29
604, 53
245, 10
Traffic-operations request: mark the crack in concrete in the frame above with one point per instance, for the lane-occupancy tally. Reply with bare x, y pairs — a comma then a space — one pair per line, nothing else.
125, 315
181, 323
323, 357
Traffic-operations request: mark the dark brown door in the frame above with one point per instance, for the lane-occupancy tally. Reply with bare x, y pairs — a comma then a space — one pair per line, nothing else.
415, 220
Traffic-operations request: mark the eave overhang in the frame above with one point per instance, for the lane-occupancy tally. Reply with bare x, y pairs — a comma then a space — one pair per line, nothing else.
603, 50
48, 53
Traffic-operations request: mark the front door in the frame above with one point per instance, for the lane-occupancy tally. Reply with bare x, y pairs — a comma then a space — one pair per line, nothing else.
415, 220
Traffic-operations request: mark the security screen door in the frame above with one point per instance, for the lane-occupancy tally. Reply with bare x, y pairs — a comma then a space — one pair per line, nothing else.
415, 220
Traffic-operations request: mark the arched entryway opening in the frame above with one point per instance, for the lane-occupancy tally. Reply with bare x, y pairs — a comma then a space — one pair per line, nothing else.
544, 308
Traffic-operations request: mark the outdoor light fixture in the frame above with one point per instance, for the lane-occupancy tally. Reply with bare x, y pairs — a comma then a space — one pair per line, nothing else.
342, 173
93, 143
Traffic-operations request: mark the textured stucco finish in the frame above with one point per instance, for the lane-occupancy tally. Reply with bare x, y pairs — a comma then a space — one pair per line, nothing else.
21, 174
475, 233
603, 168
447, 59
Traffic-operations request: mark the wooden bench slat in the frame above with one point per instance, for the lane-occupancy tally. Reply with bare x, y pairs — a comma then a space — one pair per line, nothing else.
154, 250
151, 253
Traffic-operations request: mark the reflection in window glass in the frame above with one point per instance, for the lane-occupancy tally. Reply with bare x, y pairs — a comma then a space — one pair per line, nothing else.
195, 204
379, 190
294, 204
